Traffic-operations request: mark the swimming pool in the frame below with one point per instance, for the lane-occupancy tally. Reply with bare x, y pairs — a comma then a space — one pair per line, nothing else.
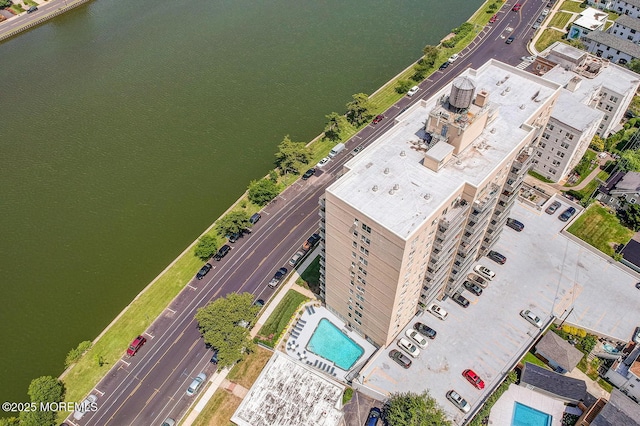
332, 344
527, 416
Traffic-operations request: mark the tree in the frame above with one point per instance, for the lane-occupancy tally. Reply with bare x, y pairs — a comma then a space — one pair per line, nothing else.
630, 215
403, 86
430, 55
630, 160
419, 72
5, 3
75, 354
45, 389
206, 247
634, 107
359, 110
220, 323
233, 222
262, 191
597, 143
634, 65
9, 421
410, 409
334, 126
291, 155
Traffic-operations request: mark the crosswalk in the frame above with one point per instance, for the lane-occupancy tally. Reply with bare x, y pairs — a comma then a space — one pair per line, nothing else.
522, 65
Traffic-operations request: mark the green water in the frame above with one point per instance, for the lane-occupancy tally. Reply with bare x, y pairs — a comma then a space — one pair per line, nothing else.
129, 127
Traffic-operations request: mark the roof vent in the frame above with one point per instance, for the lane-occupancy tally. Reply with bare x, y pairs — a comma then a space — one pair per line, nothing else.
391, 192
427, 196
403, 154
493, 130
396, 187
522, 106
503, 93
386, 171
375, 188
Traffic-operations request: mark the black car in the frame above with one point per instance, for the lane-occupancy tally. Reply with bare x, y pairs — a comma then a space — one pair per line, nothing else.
277, 277
510, 40
515, 224
308, 174
425, 330
254, 218
444, 66
222, 252
214, 357
259, 302
497, 257
235, 236
566, 215
32, 9
460, 300
203, 271
473, 288
400, 358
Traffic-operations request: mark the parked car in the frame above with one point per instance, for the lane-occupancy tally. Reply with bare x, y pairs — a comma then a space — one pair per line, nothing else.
89, 404
214, 357
497, 257
413, 91
516, 225
460, 300
493, 19
510, 40
408, 347
222, 252
296, 258
472, 287
135, 346
477, 279
235, 236
259, 302
196, 384
453, 58
308, 173
473, 378
516, 7
485, 272
378, 119
416, 337
443, 66
277, 277
374, 414
311, 242
566, 215
458, 401
528, 58
254, 218
437, 311
322, 162
400, 358
531, 317
545, 12
32, 9
553, 207
535, 25
425, 330
203, 271
168, 422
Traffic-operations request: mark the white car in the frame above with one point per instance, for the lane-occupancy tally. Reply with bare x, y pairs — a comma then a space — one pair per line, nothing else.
418, 338
453, 58
322, 162
413, 91
458, 401
296, 258
636, 336
531, 317
409, 347
528, 58
89, 404
196, 384
437, 311
483, 271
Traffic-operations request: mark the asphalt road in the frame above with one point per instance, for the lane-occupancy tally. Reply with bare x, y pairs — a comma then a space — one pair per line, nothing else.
147, 388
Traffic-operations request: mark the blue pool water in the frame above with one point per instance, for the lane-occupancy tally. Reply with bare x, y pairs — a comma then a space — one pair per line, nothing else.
527, 416
332, 344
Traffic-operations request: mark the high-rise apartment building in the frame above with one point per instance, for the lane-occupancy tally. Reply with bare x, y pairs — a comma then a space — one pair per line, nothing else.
410, 213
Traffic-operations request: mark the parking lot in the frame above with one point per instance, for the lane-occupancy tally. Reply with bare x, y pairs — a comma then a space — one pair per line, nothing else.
547, 273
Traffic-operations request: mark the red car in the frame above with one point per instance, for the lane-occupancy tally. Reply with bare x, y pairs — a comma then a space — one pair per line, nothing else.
473, 378
378, 119
516, 7
136, 345
493, 19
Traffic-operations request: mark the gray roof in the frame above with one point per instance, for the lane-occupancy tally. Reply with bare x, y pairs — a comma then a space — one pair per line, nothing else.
628, 21
614, 42
631, 2
557, 384
571, 112
556, 349
628, 184
619, 411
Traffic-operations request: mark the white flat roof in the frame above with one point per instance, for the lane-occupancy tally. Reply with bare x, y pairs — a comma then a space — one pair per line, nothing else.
591, 18
570, 111
288, 393
392, 161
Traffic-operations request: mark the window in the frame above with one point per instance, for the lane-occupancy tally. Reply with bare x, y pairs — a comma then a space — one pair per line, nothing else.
362, 271
632, 201
358, 321
560, 154
358, 313
353, 254
354, 244
364, 251
608, 108
556, 163
550, 126
564, 145
366, 228
569, 136
355, 234
363, 261
365, 240
614, 99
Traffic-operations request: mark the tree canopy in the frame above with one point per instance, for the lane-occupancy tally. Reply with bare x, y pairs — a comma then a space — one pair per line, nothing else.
292, 155
597, 143
630, 160
630, 216
634, 65
233, 222
334, 126
206, 247
262, 191
430, 55
410, 409
42, 390
219, 323
359, 109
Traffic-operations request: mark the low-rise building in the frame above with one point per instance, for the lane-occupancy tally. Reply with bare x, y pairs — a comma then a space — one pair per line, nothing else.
620, 190
547, 382
559, 353
619, 411
611, 47
589, 20
625, 373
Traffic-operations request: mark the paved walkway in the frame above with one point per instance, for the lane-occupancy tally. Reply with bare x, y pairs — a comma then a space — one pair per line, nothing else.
592, 387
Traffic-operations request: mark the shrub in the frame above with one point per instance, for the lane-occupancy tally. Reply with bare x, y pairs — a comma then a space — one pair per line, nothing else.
346, 397
74, 355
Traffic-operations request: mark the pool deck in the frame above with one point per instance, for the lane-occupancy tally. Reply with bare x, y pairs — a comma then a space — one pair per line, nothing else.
502, 411
301, 331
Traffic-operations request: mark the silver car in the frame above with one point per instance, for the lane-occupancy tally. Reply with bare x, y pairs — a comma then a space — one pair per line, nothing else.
531, 317
196, 384
458, 401
89, 404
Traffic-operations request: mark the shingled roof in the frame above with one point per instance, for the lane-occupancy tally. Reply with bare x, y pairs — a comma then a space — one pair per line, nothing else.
619, 411
562, 386
556, 349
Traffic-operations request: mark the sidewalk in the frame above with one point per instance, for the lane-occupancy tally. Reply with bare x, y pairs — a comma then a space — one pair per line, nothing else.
219, 379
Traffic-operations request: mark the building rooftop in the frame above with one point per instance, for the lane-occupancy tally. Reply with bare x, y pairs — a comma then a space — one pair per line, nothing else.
388, 182
625, 46
635, 3
289, 393
591, 18
559, 350
629, 22
563, 386
619, 411
570, 111
629, 182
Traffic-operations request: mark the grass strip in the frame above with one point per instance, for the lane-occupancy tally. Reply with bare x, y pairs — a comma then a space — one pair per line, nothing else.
271, 331
547, 38
600, 229
560, 20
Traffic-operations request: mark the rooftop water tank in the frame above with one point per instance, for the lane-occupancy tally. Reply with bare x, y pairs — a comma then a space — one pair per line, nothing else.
462, 91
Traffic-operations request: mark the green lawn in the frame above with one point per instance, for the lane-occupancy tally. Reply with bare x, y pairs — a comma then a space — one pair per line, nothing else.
585, 167
539, 176
547, 38
560, 20
311, 275
532, 359
572, 6
600, 229
270, 332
